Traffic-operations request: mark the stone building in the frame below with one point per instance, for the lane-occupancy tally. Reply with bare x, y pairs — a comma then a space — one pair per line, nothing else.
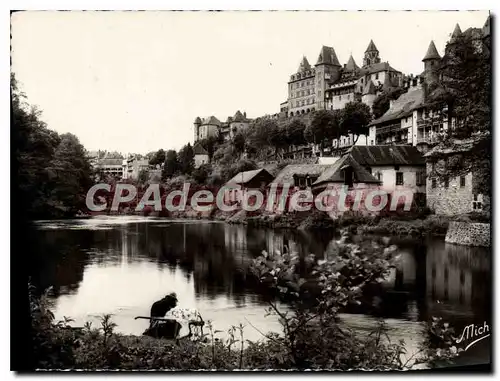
213, 127
452, 195
200, 155
397, 167
408, 120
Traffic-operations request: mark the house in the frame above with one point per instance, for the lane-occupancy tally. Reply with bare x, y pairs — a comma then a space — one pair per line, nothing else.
348, 175
457, 195
292, 178
298, 176
246, 180
398, 167
200, 156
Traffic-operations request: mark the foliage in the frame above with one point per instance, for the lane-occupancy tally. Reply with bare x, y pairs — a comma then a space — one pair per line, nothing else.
201, 174
186, 159
382, 102
238, 142
313, 335
325, 126
463, 91
157, 158
295, 132
171, 165
143, 176
355, 119
53, 173
210, 144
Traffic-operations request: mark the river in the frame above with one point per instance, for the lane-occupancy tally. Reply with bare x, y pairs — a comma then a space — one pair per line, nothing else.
121, 265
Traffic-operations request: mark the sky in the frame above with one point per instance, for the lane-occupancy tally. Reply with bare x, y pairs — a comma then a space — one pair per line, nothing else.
134, 82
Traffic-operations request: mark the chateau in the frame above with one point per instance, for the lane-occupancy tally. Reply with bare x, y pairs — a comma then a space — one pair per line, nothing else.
329, 85
213, 127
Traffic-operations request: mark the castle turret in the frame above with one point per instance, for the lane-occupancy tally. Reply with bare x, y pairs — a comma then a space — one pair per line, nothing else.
197, 124
327, 71
431, 63
457, 32
371, 55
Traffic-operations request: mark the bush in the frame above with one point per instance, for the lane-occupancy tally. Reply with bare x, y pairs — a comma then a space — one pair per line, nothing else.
312, 335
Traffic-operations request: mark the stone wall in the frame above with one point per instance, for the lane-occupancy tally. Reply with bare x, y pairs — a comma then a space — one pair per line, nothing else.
468, 233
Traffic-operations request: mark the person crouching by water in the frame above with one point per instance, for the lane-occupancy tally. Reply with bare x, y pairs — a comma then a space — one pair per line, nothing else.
160, 308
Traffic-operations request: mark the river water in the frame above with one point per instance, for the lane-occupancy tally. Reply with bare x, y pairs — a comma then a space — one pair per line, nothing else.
121, 265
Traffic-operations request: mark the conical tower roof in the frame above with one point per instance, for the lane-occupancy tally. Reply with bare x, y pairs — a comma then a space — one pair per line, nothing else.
487, 27
304, 65
197, 120
351, 65
371, 47
327, 56
432, 53
457, 32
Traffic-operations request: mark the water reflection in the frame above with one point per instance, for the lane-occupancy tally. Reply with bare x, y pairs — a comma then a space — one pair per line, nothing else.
121, 266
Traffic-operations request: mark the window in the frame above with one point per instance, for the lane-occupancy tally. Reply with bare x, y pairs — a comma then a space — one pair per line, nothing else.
379, 176
396, 167
462, 181
399, 178
376, 76
421, 178
434, 184
340, 97
446, 183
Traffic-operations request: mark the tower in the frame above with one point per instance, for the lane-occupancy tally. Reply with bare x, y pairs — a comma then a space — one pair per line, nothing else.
327, 70
197, 124
371, 55
431, 63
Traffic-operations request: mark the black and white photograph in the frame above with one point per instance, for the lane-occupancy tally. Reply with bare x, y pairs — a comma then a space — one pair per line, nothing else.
236, 190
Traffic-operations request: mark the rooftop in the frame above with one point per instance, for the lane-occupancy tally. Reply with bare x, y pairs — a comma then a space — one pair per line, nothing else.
369, 156
285, 176
432, 53
328, 56
403, 106
246, 176
334, 173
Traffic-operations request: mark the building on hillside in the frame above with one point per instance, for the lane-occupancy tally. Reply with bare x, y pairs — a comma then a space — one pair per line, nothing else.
200, 155
409, 119
458, 195
213, 127
206, 127
329, 85
134, 165
346, 174
109, 167
398, 167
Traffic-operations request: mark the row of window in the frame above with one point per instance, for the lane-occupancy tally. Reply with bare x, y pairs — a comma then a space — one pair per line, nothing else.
302, 84
303, 102
302, 93
447, 182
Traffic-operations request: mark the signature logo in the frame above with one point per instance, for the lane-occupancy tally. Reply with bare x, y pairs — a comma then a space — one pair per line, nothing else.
475, 333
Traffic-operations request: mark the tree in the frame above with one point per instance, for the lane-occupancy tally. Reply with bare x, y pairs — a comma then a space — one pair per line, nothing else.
143, 176
186, 159
238, 143
463, 92
201, 173
53, 173
355, 119
157, 157
210, 144
171, 165
295, 132
382, 102
324, 126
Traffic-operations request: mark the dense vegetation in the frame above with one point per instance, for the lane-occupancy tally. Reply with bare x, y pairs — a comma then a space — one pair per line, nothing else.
463, 90
53, 171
